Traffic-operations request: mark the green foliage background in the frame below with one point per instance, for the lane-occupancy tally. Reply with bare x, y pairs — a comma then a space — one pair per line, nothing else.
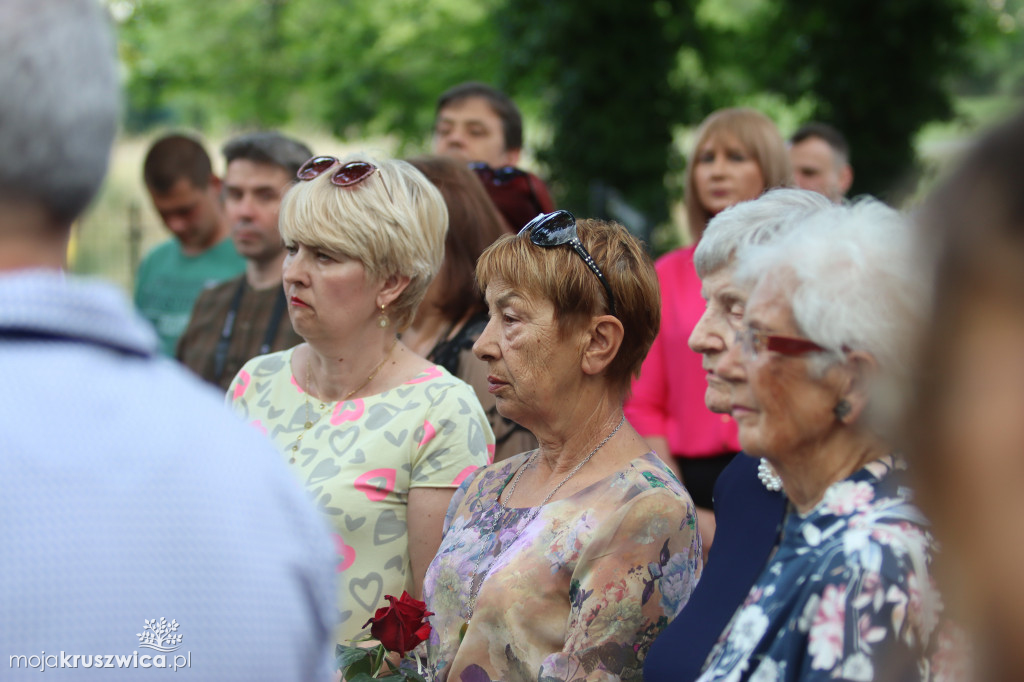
609, 87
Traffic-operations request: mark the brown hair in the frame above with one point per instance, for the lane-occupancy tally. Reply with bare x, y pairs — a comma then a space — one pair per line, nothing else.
973, 227
758, 135
560, 276
174, 157
473, 225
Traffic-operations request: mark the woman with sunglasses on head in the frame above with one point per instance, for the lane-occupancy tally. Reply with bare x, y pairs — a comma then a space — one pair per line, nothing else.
847, 593
379, 436
564, 562
453, 313
738, 154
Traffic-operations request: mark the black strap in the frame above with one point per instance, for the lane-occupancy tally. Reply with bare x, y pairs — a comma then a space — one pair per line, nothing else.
220, 355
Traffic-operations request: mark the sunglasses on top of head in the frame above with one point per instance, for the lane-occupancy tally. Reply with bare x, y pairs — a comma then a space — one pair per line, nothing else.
559, 229
351, 173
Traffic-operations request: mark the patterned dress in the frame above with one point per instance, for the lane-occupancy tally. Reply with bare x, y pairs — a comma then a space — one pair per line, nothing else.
846, 596
577, 589
361, 459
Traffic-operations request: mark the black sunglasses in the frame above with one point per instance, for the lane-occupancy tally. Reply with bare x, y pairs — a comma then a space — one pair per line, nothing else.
559, 229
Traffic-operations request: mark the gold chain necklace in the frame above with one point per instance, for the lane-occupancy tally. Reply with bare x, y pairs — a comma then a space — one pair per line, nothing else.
309, 383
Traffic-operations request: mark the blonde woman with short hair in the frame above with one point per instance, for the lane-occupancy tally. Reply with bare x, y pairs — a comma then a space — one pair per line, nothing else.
379, 436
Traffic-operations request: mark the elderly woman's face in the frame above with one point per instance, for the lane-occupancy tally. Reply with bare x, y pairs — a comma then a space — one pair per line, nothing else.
725, 173
529, 365
715, 334
781, 410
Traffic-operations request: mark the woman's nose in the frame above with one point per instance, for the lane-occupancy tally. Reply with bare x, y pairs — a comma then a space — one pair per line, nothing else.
485, 347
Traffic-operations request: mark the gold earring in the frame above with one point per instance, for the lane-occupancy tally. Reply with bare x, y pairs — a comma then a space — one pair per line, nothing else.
383, 320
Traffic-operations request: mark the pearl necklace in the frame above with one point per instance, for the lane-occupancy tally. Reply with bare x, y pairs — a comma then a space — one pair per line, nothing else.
769, 479
309, 383
475, 586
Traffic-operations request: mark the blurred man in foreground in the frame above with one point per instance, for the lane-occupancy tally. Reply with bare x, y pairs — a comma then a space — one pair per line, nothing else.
141, 524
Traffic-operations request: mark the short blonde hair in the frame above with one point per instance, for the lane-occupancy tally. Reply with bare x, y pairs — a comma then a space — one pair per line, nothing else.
559, 275
394, 222
759, 137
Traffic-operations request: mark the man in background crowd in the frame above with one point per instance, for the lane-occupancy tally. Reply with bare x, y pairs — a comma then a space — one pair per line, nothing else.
480, 125
135, 511
186, 194
237, 320
820, 156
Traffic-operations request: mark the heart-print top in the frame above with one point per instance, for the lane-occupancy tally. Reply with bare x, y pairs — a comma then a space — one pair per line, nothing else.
359, 461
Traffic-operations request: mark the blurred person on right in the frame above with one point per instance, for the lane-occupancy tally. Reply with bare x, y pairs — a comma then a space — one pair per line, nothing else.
965, 421
820, 156
824, 344
738, 154
453, 313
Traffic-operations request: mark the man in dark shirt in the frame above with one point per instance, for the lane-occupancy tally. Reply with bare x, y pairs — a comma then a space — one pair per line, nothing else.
245, 317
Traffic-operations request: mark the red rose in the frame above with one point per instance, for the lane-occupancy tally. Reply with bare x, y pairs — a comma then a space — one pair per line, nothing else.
401, 626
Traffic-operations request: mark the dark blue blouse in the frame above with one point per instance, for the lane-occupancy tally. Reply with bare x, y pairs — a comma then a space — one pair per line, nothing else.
748, 518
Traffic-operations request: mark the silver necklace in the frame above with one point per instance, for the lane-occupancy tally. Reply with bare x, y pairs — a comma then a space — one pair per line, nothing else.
769, 479
475, 585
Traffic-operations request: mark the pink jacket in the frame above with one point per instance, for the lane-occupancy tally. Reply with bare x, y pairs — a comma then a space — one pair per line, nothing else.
668, 398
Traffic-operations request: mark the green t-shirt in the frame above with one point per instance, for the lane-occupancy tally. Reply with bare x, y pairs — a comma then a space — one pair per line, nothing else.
168, 283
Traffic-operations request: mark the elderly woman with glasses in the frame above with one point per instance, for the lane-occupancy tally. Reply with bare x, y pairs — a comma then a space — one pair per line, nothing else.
566, 561
748, 498
847, 593
379, 436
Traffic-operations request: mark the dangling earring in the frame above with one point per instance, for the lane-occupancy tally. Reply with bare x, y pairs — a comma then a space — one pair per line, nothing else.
383, 320
841, 410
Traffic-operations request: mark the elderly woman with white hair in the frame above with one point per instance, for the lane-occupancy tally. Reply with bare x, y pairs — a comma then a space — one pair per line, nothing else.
847, 593
379, 436
748, 498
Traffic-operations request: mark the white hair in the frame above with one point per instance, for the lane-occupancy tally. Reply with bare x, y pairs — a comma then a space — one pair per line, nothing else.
761, 220
58, 113
854, 287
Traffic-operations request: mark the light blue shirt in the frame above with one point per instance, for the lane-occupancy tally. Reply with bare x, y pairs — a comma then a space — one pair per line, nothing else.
135, 509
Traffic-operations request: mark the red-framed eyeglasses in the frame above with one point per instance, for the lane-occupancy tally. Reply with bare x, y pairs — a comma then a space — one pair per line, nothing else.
754, 341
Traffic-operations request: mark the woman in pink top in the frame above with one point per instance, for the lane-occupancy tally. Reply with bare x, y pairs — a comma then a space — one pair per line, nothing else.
738, 154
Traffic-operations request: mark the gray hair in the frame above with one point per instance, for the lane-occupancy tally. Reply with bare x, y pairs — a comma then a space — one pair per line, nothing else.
58, 113
855, 287
761, 220
268, 147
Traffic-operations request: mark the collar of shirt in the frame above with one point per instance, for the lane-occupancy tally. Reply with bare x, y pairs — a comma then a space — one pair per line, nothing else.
49, 304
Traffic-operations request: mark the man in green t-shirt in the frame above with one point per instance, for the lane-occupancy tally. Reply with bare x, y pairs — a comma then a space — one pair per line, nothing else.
186, 194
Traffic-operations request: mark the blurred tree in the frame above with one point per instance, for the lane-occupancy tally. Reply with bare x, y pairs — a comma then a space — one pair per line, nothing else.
357, 67
876, 69
602, 69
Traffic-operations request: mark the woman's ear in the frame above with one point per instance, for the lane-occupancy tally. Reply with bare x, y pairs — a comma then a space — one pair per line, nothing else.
860, 368
391, 288
602, 342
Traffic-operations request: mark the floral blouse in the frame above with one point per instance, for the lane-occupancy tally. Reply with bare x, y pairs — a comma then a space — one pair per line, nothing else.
575, 590
846, 596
